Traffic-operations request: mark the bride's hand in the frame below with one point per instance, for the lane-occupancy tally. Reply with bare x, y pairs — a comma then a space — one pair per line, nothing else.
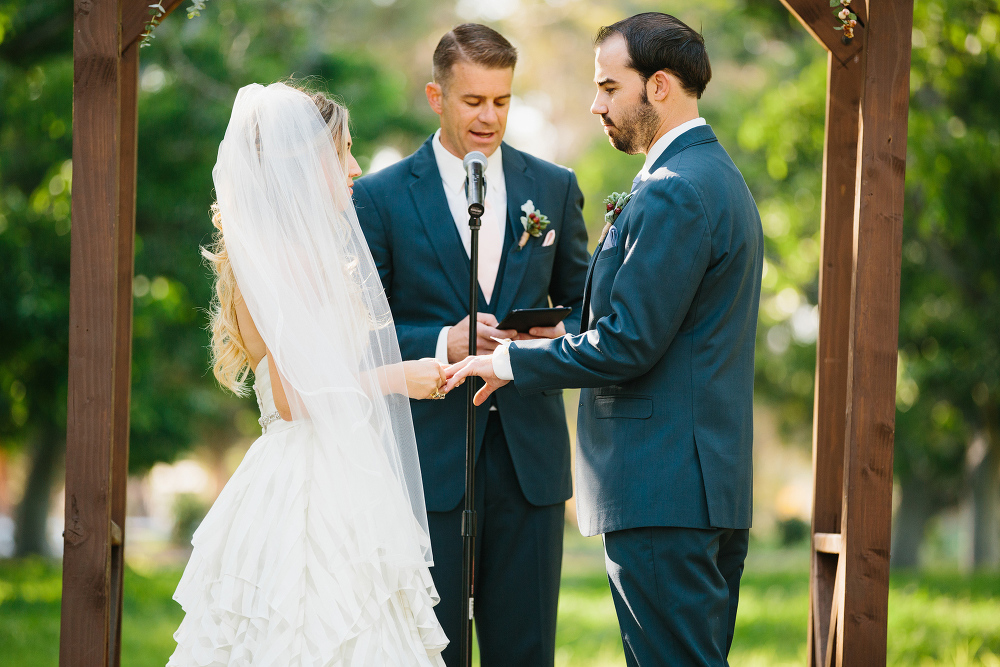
424, 378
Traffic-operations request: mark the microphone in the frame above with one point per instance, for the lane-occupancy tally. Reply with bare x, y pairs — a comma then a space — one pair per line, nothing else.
475, 182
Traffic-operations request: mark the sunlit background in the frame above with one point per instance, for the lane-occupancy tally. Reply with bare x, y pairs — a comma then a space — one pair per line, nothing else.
766, 102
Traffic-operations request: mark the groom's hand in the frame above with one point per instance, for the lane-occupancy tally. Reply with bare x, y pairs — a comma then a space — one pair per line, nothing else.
458, 337
481, 366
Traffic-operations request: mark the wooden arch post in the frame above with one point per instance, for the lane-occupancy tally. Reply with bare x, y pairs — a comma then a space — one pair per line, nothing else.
105, 93
854, 415
864, 161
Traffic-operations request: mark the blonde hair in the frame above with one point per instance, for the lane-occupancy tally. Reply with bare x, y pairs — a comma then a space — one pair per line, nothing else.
230, 360
229, 357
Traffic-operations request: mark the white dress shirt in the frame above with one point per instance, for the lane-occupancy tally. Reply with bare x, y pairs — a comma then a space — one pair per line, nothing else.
494, 220
501, 356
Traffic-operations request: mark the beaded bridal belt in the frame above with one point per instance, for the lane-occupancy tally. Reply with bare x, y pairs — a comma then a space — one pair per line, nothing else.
267, 420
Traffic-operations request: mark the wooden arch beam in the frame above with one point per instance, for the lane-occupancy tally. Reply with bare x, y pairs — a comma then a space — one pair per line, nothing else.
98, 372
106, 37
816, 16
854, 408
864, 165
135, 16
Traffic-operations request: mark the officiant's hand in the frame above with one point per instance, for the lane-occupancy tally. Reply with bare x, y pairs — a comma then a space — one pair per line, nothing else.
481, 366
534, 333
458, 337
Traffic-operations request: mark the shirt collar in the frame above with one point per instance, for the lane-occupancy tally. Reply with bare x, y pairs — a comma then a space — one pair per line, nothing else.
453, 171
663, 142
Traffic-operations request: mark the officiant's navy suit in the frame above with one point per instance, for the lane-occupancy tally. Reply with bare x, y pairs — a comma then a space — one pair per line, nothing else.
665, 428
525, 481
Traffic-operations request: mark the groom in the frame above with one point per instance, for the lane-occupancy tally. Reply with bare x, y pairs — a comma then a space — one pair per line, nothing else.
414, 216
666, 354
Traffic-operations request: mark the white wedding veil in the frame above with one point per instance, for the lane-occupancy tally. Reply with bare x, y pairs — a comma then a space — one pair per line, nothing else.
312, 288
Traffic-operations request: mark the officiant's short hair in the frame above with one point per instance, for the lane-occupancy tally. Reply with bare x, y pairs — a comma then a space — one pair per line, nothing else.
657, 41
474, 43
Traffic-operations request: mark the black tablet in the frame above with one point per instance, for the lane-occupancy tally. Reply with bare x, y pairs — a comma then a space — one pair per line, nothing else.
523, 319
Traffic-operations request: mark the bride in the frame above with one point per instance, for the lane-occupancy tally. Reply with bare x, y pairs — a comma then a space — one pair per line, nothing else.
317, 551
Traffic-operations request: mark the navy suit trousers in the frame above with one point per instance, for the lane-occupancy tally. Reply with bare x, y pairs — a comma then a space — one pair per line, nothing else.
676, 592
518, 563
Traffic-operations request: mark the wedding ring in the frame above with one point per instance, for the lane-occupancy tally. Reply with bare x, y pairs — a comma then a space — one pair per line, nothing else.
437, 395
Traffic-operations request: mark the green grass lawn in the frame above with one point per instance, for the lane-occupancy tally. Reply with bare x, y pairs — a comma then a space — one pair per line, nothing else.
941, 618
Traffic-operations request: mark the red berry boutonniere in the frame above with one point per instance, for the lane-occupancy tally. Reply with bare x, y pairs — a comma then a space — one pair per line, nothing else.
614, 203
534, 222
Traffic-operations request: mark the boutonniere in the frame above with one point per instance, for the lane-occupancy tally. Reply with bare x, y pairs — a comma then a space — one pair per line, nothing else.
615, 202
534, 222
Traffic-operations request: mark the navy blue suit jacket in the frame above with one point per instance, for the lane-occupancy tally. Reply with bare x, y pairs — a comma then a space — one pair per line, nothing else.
666, 356
425, 271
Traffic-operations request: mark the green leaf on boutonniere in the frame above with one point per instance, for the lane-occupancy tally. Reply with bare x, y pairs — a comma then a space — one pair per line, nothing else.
614, 203
534, 222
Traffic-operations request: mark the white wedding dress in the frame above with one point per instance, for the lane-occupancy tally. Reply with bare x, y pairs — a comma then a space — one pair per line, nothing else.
317, 552
270, 581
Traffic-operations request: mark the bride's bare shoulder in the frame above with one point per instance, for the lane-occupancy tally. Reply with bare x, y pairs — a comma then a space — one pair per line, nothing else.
252, 340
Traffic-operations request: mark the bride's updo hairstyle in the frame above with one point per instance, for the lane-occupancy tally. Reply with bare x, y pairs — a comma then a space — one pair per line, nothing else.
230, 360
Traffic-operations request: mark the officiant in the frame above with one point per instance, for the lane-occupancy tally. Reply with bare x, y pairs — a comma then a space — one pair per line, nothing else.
414, 217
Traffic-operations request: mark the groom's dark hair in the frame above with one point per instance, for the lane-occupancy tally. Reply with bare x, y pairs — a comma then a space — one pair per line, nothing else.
475, 43
657, 42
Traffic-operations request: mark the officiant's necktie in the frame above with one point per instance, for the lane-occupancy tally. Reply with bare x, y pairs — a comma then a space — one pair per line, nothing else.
490, 247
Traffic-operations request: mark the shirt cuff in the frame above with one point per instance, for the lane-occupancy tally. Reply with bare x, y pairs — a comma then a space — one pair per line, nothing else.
501, 362
441, 351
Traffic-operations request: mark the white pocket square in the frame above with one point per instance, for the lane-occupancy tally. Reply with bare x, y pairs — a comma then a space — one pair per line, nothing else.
611, 240
550, 238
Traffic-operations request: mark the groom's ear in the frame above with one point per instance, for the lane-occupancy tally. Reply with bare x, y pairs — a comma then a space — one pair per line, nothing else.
660, 85
435, 97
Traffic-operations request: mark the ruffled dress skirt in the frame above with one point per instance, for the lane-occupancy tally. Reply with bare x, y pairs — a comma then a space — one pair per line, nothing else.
273, 579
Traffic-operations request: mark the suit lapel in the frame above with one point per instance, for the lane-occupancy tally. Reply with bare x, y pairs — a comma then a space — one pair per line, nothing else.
702, 134
585, 315
432, 208
518, 180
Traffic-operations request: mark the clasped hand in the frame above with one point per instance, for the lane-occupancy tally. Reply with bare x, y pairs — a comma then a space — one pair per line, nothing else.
481, 366
486, 340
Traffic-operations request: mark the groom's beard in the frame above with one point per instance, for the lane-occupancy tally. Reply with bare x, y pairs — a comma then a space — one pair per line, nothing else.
632, 133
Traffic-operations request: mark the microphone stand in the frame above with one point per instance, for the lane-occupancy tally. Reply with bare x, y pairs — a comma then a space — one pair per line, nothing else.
469, 515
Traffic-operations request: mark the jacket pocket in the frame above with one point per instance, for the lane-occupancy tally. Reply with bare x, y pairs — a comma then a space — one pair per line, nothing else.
608, 253
623, 407
552, 392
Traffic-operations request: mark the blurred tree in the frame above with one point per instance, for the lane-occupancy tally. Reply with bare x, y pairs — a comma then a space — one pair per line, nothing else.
36, 81
948, 435
766, 103
771, 120
947, 447
189, 79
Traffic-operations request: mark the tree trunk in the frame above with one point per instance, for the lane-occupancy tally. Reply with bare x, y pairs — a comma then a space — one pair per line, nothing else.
984, 473
916, 507
33, 510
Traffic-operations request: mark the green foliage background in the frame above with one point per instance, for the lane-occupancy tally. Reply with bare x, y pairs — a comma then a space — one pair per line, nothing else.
766, 103
935, 619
